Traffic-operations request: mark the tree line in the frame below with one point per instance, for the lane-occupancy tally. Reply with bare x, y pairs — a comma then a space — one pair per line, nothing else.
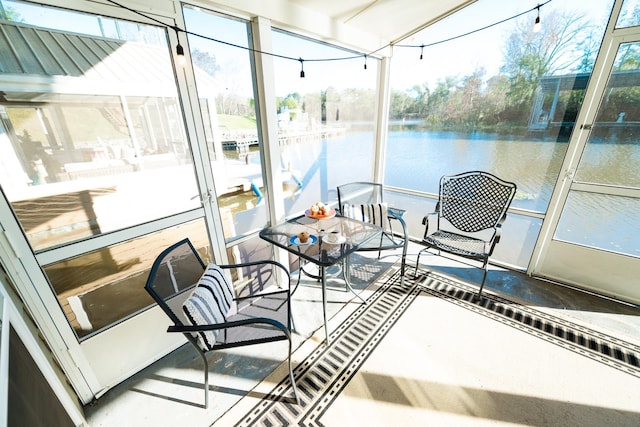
567, 44
564, 45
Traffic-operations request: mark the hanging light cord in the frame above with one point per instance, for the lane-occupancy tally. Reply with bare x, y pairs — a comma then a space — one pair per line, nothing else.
478, 29
301, 60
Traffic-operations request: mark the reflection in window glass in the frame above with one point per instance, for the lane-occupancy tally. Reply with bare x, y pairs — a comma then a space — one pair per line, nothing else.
503, 99
100, 288
612, 153
225, 89
100, 149
79, 23
611, 222
325, 120
629, 14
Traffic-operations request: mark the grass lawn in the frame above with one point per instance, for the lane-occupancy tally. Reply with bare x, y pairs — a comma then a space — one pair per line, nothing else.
236, 122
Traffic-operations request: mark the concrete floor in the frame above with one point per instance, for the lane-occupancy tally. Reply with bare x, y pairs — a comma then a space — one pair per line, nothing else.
169, 392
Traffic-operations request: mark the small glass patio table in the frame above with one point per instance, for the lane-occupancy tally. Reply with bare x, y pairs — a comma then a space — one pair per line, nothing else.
351, 235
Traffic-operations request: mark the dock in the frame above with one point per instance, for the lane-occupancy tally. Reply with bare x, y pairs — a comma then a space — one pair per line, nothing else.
243, 140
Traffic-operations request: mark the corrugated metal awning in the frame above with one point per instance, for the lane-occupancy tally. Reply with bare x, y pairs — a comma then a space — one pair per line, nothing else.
36, 61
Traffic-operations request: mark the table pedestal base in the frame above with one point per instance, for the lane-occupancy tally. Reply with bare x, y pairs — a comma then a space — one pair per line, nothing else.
343, 268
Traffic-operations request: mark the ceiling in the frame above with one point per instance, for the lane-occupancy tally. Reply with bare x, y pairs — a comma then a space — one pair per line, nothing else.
390, 20
361, 24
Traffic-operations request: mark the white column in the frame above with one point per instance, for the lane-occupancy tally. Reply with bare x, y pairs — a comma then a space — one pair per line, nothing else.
382, 119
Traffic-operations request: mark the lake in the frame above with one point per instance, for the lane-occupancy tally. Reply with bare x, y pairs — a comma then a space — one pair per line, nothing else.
417, 159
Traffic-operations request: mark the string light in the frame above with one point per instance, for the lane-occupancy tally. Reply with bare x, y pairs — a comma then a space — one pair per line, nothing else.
181, 56
536, 25
478, 29
179, 49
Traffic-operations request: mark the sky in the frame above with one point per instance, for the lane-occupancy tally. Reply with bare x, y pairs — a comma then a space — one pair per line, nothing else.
458, 57
482, 49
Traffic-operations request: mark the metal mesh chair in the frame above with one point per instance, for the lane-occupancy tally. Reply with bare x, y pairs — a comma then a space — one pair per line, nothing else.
203, 306
471, 208
367, 196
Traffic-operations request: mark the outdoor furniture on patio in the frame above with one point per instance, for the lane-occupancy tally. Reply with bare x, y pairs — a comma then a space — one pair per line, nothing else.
320, 250
202, 303
471, 208
364, 201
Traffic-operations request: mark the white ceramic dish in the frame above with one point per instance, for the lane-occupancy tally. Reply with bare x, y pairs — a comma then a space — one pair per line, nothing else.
339, 239
295, 240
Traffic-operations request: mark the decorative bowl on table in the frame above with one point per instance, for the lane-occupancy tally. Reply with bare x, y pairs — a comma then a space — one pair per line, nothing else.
330, 214
320, 211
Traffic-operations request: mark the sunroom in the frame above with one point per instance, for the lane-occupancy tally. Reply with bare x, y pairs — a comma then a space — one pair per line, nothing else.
126, 126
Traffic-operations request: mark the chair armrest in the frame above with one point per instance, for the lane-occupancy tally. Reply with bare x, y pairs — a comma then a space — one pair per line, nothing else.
397, 215
396, 212
260, 295
260, 262
498, 231
227, 325
426, 221
251, 263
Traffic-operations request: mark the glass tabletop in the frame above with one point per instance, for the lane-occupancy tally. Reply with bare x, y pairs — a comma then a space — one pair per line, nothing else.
330, 240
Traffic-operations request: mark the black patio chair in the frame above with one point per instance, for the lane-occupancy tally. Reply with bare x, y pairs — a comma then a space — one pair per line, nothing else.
471, 208
364, 201
202, 304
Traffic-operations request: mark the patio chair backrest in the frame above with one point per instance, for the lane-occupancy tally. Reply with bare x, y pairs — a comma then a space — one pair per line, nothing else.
359, 193
474, 201
174, 274
373, 213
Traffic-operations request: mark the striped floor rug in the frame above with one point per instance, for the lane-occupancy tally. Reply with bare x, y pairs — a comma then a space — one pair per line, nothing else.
327, 370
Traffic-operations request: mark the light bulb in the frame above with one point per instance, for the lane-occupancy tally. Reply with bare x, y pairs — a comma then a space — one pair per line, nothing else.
537, 25
180, 54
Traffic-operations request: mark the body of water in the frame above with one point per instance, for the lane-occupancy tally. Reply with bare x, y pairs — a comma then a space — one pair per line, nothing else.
417, 159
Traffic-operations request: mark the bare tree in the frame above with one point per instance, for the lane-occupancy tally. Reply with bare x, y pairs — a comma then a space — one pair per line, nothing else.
529, 55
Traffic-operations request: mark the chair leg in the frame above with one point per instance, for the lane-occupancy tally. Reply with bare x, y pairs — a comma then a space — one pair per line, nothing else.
206, 378
415, 275
291, 321
291, 377
299, 277
404, 258
346, 273
485, 270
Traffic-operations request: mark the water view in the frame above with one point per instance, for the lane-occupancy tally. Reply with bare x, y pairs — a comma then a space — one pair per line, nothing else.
417, 159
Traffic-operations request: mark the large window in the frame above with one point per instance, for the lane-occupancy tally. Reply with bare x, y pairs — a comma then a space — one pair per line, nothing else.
92, 145
100, 288
221, 56
90, 141
325, 119
502, 99
607, 180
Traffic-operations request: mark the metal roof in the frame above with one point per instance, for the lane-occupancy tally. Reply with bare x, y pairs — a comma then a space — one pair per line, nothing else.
35, 61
